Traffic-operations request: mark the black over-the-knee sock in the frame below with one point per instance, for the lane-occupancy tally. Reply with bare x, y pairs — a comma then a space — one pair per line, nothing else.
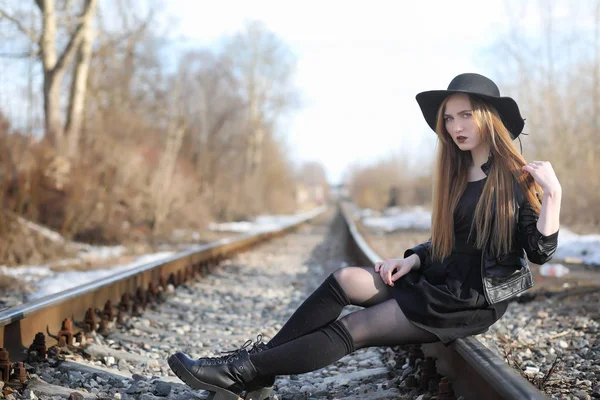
321, 308
307, 353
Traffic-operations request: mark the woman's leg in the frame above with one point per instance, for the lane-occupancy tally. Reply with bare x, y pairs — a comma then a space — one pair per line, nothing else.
360, 286
383, 324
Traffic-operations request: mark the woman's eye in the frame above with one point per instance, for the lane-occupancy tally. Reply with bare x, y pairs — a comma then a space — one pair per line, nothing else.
466, 115
447, 119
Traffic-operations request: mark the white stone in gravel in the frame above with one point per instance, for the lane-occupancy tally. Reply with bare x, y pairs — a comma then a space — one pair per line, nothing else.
101, 351
42, 388
531, 370
28, 394
563, 344
109, 361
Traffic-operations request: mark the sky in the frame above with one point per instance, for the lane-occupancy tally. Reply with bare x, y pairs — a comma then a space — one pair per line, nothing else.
359, 66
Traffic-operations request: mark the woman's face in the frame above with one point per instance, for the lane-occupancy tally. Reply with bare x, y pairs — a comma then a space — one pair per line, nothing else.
460, 124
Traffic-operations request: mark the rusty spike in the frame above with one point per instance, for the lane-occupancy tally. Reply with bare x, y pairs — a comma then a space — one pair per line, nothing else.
153, 293
411, 381
428, 373
65, 335
19, 373
90, 320
120, 317
180, 278
140, 297
445, 391
414, 354
108, 311
162, 282
39, 346
172, 279
4, 365
67, 331
137, 310
125, 304
103, 326
153, 289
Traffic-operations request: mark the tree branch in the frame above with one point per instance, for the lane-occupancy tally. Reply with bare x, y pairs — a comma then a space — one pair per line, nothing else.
20, 26
75, 38
25, 54
129, 34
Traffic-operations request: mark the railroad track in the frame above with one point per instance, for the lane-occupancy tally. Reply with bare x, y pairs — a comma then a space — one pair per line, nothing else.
134, 331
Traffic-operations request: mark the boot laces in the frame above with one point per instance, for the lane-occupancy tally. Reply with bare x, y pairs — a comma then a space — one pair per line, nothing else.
233, 355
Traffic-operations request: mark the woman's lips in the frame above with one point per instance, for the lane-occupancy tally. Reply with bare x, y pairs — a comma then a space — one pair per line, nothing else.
461, 139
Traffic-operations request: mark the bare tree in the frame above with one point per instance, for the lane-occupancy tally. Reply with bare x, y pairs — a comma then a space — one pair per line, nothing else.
55, 64
556, 78
77, 97
264, 67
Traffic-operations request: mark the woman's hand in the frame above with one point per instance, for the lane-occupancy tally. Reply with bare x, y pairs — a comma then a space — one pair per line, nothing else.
393, 269
544, 175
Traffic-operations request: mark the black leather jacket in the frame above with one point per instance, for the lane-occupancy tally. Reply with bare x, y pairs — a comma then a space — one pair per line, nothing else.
509, 274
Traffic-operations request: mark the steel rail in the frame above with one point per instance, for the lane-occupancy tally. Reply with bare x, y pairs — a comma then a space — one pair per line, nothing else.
20, 324
474, 371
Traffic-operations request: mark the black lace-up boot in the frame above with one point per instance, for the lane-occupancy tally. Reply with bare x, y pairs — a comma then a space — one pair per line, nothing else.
226, 377
259, 388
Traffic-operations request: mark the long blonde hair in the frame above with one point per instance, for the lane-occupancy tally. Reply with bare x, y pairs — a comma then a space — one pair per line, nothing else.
494, 215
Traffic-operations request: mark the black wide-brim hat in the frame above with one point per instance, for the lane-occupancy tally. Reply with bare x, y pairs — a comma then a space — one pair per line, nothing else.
478, 86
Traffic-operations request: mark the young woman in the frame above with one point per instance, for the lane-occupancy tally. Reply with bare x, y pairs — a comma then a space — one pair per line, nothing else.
490, 207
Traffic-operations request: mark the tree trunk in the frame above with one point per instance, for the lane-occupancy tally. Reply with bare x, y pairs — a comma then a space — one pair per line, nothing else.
55, 65
53, 120
166, 168
78, 88
52, 78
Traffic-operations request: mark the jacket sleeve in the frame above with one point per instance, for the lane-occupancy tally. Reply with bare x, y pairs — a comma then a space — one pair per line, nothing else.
539, 248
422, 250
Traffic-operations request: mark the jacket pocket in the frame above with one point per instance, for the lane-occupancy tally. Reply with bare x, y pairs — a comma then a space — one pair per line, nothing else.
503, 287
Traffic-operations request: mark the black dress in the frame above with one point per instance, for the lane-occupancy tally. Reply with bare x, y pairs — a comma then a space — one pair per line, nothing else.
446, 298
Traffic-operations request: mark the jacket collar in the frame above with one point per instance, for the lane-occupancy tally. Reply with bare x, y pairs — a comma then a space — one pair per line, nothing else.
486, 166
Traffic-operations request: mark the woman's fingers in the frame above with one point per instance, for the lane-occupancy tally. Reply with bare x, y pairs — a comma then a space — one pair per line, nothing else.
386, 271
397, 275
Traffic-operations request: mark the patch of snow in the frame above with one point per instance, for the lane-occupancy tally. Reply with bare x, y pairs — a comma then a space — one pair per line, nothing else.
582, 247
399, 218
30, 273
263, 223
88, 252
178, 234
55, 282
553, 269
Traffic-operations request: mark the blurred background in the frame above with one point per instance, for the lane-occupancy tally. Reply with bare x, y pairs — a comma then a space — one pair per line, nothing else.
129, 122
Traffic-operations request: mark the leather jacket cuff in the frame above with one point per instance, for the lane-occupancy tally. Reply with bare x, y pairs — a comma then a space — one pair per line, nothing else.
415, 250
548, 238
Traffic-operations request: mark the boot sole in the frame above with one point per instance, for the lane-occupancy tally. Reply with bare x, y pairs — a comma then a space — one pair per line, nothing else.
217, 393
259, 394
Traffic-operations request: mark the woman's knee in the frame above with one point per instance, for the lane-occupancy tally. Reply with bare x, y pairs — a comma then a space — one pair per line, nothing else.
347, 276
